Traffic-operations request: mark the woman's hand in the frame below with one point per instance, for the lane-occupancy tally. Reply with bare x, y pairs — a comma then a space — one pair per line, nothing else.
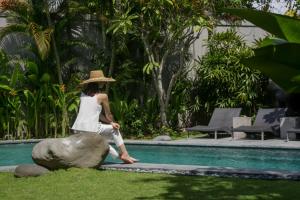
115, 125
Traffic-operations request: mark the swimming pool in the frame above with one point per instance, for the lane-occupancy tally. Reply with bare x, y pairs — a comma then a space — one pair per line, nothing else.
240, 158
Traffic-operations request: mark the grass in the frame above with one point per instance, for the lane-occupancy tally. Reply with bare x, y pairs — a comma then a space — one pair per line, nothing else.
95, 184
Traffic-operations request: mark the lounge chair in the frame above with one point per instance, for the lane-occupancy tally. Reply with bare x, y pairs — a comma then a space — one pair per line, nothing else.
266, 121
295, 129
220, 122
292, 130
289, 127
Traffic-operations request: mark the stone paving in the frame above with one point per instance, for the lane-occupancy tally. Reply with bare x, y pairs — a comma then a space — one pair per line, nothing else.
196, 170
224, 142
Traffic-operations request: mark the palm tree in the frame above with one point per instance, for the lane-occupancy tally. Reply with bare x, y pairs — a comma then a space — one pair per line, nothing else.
25, 27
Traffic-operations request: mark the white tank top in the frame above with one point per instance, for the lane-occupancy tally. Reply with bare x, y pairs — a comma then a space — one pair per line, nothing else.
88, 115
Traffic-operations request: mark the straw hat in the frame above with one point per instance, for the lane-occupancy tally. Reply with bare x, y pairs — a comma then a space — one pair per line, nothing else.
97, 76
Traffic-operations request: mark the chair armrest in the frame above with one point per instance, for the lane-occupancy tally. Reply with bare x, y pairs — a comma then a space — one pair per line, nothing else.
287, 123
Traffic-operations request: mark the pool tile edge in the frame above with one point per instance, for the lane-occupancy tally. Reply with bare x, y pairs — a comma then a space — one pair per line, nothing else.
10, 168
192, 170
267, 144
195, 170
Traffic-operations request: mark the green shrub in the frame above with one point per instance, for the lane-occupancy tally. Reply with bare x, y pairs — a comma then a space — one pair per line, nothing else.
222, 80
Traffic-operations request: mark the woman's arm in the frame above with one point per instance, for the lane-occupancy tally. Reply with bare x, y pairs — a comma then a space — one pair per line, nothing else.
106, 108
107, 117
103, 119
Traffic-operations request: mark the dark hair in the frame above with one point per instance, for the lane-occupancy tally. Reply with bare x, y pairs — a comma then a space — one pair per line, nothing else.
91, 89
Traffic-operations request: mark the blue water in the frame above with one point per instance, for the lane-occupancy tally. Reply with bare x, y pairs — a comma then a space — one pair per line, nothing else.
266, 159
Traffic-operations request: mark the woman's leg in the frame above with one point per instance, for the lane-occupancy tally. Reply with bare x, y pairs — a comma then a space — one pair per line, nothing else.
114, 154
110, 133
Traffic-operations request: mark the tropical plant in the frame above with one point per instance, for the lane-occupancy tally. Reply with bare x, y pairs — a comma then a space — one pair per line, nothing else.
222, 80
136, 119
30, 106
277, 56
12, 115
165, 28
180, 110
32, 27
65, 102
23, 19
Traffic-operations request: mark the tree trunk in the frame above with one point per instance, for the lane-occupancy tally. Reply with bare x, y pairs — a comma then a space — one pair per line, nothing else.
161, 98
113, 46
112, 60
157, 79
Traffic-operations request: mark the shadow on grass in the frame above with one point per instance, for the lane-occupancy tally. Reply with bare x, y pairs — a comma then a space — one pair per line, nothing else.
212, 188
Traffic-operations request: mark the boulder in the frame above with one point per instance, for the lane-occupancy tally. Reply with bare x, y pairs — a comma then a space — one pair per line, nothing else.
28, 170
84, 150
162, 138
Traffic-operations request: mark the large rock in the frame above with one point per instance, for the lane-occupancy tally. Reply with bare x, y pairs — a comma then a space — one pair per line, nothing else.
84, 150
28, 170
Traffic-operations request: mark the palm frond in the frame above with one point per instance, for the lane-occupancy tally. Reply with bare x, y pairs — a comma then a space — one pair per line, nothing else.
54, 5
18, 45
80, 43
12, 28
76, 8
42, 39
71, 61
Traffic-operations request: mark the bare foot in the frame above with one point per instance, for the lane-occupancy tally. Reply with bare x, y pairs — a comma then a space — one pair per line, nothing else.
133, 159
126, 159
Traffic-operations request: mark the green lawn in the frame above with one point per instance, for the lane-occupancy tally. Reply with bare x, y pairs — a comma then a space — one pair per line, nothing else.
85, 184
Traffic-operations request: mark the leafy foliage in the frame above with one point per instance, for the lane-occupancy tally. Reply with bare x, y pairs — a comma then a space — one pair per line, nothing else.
166, 28
276, 57
30, 106
223, 80
42, 39
135, 119
144, 44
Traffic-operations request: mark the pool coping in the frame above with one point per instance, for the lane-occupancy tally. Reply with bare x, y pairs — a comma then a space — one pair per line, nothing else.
192, 170
196, 170
226, 142
280, 144
21, 141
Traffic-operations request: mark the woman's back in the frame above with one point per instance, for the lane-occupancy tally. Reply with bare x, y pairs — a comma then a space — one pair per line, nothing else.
88, 115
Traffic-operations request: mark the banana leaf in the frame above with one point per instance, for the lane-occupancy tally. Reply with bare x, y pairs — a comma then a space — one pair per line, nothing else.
271, 41
287, 77
281, 26
287, 54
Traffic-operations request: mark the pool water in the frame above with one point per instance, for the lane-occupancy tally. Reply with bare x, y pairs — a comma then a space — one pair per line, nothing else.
249, 158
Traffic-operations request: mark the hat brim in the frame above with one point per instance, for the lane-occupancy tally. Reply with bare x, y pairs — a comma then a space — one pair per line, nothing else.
97, 80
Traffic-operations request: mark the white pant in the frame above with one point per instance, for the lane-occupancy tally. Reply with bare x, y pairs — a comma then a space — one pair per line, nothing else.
107, 131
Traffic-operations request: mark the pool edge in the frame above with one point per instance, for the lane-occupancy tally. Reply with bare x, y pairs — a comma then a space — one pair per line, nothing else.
191, 143
193, 170
196, 170
10, 168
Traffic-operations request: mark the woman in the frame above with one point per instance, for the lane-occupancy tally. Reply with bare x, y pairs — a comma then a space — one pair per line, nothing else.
91, 118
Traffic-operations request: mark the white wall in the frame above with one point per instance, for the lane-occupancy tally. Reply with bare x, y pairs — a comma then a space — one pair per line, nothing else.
248, 31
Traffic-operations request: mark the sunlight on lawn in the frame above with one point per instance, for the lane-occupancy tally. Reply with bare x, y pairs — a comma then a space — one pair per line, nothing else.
96, 184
